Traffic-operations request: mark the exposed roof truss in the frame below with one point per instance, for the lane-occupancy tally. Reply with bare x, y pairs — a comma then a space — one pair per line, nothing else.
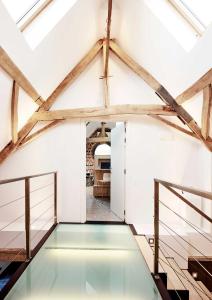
107, 112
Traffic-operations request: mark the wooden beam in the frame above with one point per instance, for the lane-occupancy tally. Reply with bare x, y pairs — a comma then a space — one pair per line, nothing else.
159, 90
36, 13
14, 112
74, 74
206, 111
199, 85
111, 118
182, 113
36, 134
105, 78
110, 4
10, 147
106, 50
10, 68
99, 140
114, 110
175, 126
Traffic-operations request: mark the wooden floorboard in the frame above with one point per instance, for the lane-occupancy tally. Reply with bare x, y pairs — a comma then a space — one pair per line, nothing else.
13, 244
15, 254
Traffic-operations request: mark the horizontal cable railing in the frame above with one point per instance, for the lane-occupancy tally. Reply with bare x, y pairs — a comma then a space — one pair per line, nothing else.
25, 177
28, 210
184, 240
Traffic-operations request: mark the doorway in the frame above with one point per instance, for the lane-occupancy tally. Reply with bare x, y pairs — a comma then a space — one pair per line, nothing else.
105, 171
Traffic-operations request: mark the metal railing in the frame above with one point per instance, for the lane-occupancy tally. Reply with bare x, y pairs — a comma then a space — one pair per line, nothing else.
169, 186
28, 209
179, 246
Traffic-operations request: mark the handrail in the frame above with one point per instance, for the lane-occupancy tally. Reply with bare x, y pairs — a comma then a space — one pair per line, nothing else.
191, 190
199, 211
168, 185
25, 177
28, 207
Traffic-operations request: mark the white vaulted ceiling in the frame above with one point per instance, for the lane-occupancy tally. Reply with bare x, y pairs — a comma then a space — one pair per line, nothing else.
135, 26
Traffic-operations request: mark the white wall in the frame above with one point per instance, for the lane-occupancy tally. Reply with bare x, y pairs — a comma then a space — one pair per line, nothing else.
117, 188
62, 149
142, 35
155, 151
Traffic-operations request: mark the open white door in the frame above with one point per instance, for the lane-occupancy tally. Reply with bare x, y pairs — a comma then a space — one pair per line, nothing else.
118, 170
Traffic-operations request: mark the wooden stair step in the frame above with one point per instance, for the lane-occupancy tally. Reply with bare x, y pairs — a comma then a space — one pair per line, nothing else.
203, 287
200, 258
200, 292
173, 281
194, 289
14, 254
203, 267
146, 251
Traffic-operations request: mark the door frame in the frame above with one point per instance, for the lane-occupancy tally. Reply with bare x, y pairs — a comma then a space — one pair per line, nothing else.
83, 182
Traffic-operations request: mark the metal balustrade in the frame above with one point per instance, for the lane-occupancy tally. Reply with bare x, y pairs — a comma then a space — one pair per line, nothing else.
175, 250
35, 213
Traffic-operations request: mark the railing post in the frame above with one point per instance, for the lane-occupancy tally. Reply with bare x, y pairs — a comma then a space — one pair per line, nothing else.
156, 227
55, 198
27, 218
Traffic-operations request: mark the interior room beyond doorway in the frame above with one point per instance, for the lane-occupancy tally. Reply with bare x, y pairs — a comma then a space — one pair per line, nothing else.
98, 172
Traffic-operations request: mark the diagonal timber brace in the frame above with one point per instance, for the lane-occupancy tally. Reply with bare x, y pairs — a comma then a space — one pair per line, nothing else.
172, 108
159, 90
44, 106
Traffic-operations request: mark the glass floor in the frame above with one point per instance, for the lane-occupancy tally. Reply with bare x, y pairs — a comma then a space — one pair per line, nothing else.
87, 262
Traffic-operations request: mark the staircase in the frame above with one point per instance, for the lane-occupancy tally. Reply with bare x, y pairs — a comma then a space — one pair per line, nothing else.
180, 283
202, 274
181, 244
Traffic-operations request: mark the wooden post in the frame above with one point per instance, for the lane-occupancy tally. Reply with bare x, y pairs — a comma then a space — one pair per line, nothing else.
55, 198
156, 226
27, 218
110, 5
206, 110
14, 112
105, 76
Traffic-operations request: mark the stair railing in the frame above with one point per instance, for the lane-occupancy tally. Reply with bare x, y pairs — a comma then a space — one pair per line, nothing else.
28, 206
187, 253
171, 187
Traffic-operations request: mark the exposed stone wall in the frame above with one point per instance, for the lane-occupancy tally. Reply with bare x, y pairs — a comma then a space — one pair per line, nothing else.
89, 158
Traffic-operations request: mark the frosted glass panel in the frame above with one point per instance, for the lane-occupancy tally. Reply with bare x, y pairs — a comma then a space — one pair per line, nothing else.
87, 262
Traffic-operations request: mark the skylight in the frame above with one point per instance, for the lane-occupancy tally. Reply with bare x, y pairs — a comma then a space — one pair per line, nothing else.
186, 20
36, 18
197, 13
22, 10
201, 10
